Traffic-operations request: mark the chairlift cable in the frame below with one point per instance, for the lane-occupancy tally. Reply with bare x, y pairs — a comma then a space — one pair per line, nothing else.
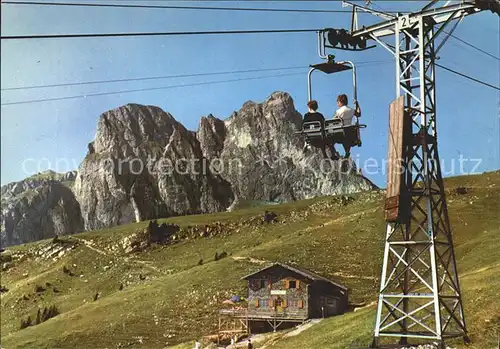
467, 76
173, 7
80, 83
473, 46
100, 35
276, 1
148, 89
196, 84
146, 78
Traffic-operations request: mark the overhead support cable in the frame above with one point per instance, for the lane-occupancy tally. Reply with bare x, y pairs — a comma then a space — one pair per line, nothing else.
208, 83
100, 35
276, 1
147, 89
467, 76
172, 7
146, 78
167, 87
474, 47
81, 83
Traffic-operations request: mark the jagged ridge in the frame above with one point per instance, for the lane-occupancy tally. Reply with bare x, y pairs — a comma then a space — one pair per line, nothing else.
143, 164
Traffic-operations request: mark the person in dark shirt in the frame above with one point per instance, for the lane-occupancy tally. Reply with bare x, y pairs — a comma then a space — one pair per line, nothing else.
314, 115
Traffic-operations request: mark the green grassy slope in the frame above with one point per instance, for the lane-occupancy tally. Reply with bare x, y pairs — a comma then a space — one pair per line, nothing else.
167, 298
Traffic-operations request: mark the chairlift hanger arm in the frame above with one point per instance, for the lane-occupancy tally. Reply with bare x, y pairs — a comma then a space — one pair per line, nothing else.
351, 49
439, 15
356, 7
354, 79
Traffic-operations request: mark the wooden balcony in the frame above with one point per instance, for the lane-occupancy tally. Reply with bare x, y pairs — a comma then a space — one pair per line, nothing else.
283, 315
234, 312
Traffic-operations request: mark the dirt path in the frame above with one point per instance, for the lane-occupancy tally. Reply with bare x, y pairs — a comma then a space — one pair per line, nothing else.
302, 328
349, 276
250, 259
268, 339
338, 219
146, 264
478, 270
309, 229
89, 245
26, 281
299, 329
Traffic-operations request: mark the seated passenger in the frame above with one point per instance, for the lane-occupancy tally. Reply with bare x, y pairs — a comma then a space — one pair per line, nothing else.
314, 115
345, 114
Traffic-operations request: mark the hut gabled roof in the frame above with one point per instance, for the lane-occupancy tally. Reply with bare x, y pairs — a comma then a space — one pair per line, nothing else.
306, 273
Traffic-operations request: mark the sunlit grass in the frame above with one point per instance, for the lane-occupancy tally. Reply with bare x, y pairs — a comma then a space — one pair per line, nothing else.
169, 299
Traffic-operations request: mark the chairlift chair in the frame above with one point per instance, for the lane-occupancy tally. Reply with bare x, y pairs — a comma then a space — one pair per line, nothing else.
333, 131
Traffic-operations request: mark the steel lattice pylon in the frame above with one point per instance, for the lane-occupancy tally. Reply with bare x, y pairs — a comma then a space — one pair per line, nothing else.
419, 288
419, 292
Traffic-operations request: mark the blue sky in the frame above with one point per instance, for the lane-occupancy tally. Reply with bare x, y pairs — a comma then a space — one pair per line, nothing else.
55, 134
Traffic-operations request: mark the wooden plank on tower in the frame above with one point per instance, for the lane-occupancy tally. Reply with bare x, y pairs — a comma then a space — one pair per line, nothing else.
394, 161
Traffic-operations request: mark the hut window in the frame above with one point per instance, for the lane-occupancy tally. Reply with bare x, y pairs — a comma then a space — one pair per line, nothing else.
329, 301
295, 303
262, 283
292, 284
262, 303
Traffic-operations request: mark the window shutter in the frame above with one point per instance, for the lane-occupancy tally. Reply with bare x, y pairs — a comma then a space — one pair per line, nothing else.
301, 303
283, 303
287, 285
256, 303
298, 284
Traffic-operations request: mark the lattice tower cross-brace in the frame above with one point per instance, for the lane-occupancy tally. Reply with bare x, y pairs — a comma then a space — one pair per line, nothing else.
419, 291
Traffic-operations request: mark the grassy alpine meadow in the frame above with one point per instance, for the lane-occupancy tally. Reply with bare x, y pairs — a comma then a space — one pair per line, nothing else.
168, 296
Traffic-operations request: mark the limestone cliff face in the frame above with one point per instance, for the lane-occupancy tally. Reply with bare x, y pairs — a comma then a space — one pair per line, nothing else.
262, 156
211, 135
143, 164
39, 207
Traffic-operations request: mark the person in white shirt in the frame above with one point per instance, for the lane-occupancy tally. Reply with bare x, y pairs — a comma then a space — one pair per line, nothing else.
346, 114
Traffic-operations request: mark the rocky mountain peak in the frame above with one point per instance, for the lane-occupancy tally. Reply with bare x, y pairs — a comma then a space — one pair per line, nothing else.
143, 164
41, 206
211, 135
124, 131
